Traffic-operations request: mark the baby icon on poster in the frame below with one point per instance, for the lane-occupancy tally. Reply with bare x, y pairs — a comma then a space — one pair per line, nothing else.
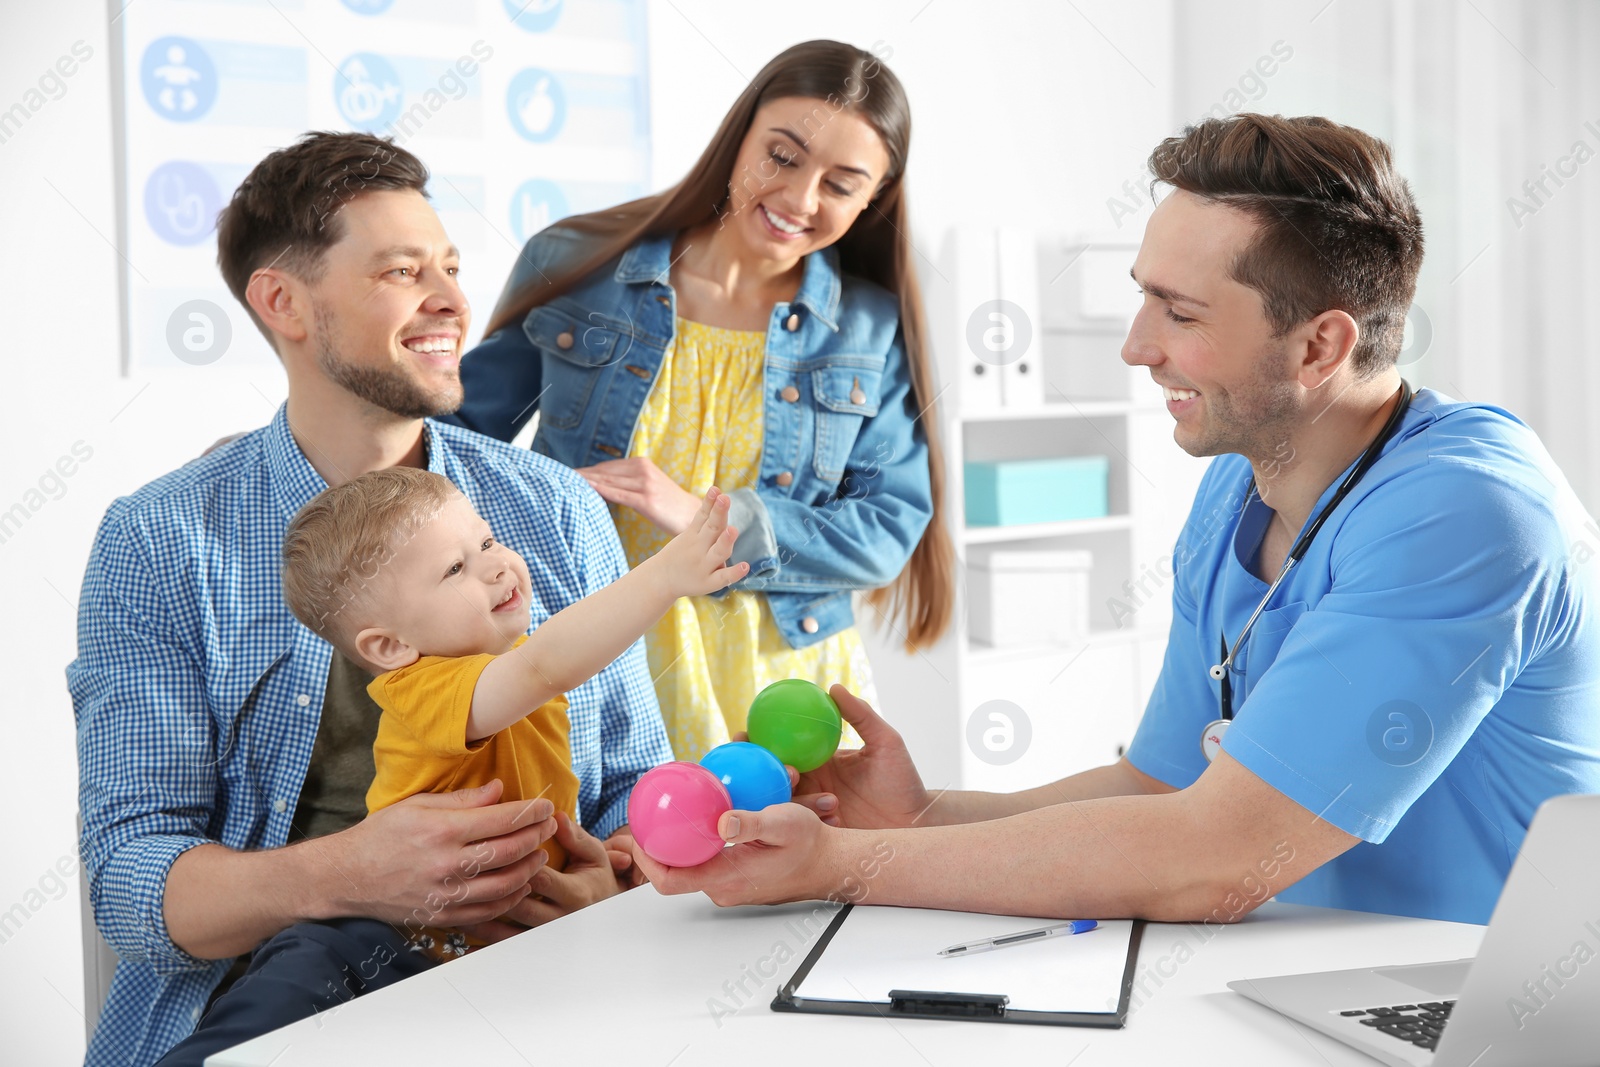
179, 79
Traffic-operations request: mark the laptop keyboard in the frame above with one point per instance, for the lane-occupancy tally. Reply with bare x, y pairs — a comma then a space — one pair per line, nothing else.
1419, 1024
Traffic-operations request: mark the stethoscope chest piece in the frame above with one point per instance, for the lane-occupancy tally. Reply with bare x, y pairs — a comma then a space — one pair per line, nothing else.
1211, 738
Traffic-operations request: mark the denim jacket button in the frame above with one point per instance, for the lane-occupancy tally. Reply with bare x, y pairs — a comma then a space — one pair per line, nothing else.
793, 324
808, 624
663, 300
608, 450
790, 393
564, 339
785, 479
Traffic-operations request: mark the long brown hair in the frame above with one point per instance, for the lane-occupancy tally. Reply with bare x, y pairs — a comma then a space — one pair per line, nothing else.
875, 248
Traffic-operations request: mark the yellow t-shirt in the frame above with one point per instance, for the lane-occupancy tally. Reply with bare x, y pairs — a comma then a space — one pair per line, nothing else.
702, 425
422, 741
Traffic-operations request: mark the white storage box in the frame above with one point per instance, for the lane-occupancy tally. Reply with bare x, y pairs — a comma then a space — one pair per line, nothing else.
1028, 597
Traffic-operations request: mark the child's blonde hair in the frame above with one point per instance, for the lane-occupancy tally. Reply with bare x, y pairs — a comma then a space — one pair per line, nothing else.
338, 544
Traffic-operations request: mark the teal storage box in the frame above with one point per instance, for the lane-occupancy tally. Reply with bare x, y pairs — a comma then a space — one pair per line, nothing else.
1014, 491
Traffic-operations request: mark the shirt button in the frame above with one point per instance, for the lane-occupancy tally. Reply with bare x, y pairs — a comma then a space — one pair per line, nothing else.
564, 339
785, 479
793, 324
808, 624
790, 393
304, 700
194, 1013
281, 806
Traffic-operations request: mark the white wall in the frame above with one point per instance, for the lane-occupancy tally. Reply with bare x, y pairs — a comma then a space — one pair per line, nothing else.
1023, 113
1475, 99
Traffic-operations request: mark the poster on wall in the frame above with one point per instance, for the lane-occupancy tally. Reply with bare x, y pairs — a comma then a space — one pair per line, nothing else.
524, 111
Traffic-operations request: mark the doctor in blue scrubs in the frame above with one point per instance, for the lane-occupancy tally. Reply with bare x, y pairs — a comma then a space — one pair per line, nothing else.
1385, 649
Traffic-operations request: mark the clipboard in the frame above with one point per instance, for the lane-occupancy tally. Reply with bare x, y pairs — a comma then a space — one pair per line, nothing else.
915, 935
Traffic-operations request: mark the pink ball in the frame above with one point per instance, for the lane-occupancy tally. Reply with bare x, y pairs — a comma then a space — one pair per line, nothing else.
673, 813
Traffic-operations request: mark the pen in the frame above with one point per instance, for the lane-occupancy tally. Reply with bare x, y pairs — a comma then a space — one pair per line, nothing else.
1076, 926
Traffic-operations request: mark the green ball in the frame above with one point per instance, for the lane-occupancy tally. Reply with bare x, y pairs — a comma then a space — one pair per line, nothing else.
797, 722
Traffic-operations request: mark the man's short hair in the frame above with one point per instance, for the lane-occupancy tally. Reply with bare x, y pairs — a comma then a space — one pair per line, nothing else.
335, 549
1336, 226
286, 211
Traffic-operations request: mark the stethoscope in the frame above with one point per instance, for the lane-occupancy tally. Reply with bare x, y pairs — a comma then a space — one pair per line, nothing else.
1211, 736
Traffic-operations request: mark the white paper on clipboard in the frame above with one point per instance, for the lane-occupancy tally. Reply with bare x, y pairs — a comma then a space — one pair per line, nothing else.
881, 948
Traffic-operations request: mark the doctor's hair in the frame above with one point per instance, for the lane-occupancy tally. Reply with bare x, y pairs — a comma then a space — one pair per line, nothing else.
840, 77
286, 212
1336, 226
338, 546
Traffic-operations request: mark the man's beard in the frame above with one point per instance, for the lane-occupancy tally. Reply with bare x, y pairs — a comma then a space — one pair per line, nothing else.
1255, 419
387, 387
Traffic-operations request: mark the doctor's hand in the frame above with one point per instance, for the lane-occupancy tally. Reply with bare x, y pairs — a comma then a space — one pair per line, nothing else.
636, 482
872, 787
779, 854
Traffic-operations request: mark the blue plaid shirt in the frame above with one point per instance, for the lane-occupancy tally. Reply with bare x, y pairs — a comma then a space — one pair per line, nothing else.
197, 694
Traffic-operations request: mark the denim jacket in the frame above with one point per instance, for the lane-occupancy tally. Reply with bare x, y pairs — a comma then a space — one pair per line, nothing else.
843, 492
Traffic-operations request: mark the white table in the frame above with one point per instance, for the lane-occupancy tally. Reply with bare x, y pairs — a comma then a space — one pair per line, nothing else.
637, 979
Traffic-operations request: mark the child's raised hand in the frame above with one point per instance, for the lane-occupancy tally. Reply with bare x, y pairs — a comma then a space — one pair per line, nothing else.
696, 561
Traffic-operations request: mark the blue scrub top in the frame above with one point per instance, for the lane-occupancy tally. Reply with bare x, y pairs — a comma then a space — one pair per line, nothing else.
1423, 679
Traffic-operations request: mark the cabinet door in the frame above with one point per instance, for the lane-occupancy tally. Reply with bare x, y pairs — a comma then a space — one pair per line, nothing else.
1017, 267
1033, 719
970, 324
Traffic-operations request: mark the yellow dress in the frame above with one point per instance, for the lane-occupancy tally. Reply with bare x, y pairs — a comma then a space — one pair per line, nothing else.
709, 657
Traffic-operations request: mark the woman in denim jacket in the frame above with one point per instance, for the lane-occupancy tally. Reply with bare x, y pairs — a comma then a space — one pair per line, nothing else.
756, 326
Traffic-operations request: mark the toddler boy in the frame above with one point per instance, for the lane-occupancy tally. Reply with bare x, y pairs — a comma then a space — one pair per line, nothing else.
398, 572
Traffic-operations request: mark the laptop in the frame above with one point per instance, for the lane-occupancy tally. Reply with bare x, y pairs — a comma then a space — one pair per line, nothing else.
1530, 996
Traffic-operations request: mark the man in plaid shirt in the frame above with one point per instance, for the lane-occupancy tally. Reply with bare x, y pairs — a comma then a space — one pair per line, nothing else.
214, 729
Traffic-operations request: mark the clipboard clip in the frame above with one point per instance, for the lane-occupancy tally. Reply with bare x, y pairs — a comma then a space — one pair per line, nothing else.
947, 1005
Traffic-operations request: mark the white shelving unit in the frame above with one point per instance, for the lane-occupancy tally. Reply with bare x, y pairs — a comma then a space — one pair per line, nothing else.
1067, 393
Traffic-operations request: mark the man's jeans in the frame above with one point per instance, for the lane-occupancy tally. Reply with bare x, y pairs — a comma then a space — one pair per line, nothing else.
308, 968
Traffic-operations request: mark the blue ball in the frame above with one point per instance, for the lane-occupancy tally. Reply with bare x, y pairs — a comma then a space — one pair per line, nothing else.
753, 776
